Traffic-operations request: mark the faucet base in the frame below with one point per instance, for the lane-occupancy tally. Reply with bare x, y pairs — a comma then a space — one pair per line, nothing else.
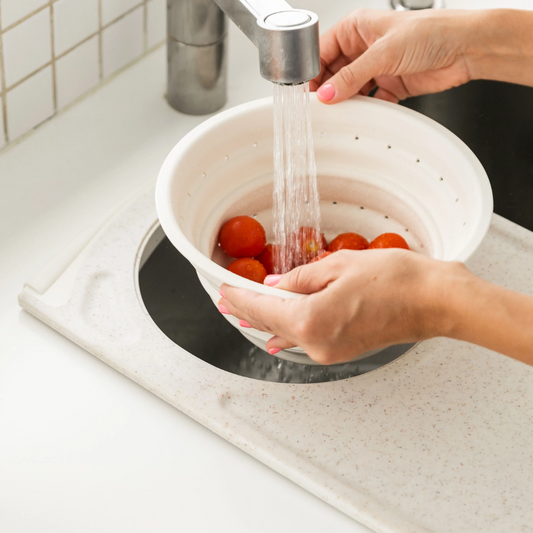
197, 76
406, 5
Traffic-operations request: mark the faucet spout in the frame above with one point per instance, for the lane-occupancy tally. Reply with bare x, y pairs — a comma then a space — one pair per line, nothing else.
286, 39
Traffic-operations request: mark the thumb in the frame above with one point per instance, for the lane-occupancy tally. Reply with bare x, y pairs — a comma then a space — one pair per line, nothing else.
350, 79
305, 279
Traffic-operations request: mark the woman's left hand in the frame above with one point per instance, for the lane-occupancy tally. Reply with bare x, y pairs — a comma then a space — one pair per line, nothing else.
354, 301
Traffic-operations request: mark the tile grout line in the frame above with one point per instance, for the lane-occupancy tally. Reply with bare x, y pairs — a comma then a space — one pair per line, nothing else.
3, 91
100, 44
63, 54
53, 60
92, 90
26, 17
145, 25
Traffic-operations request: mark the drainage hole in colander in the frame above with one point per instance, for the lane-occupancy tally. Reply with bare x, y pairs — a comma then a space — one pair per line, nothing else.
441, 179
418, 160
389, 147
362, 207
334, 203
356, 138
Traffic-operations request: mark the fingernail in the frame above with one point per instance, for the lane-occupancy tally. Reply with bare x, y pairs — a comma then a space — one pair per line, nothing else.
326, 92
223, 309
222, 293
274, 351
272, 280
244, 324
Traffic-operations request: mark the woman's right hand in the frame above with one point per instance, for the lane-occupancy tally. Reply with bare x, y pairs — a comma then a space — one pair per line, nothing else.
404, 54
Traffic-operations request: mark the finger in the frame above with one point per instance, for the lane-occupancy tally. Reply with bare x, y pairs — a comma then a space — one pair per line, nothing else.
368, 88
383, 94
276, 344
394, 85
265, 313
343, 38
306, 279
350, 79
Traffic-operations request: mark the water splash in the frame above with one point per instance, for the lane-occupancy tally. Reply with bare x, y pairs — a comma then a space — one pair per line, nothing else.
296, 210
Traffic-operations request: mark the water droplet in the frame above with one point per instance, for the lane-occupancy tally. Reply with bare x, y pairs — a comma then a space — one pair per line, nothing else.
255, 145
204, 174
226, 157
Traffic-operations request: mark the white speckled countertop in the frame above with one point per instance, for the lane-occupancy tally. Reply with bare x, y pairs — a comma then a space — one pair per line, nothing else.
80, 440
438, 440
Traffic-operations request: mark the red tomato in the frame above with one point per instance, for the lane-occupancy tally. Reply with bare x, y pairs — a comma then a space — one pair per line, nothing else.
266, 257
389, 240
248, 268
242, 237
348, 241
310, 242
320, 256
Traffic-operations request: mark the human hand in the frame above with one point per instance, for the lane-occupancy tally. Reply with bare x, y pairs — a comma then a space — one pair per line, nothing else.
354, 301
403, 54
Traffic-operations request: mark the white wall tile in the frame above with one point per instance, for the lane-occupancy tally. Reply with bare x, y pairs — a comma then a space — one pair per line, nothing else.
74, 20
111, 9
123, 41
14, 10
30, 103
27, 47
2, 135
156, 27
77, 72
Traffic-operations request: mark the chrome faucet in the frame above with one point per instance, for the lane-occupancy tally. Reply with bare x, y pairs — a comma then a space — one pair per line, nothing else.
406, 5
286, 38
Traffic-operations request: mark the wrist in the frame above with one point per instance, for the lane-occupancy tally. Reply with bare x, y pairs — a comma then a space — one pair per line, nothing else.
498, 45
448, 294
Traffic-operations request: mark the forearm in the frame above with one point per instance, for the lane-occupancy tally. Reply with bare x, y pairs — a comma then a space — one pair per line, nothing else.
501, 47
485, 314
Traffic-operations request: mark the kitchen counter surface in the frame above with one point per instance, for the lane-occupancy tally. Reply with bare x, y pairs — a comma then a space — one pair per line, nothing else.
83, 448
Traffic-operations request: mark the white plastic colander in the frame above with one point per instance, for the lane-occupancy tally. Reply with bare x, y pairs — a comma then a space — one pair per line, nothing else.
381, 167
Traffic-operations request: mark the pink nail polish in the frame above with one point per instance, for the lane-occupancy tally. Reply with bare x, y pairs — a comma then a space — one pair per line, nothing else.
326, 92
223, 309
244, 324
272, 280
274, 351
222, 293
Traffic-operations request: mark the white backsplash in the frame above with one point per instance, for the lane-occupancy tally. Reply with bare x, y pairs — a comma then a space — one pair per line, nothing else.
54, 51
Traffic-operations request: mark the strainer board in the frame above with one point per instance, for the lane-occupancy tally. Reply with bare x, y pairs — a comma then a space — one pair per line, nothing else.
438, 440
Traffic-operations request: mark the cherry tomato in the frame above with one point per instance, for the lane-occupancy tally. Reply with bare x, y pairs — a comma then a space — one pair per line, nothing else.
389, 240
348, 241
320, 256
242, 237
310, 242
248, 268
266, 257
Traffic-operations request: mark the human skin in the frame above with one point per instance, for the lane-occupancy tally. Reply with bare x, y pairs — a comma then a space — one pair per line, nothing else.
355, 301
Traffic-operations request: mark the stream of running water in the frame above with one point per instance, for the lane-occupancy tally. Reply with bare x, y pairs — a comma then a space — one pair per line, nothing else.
296, 210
